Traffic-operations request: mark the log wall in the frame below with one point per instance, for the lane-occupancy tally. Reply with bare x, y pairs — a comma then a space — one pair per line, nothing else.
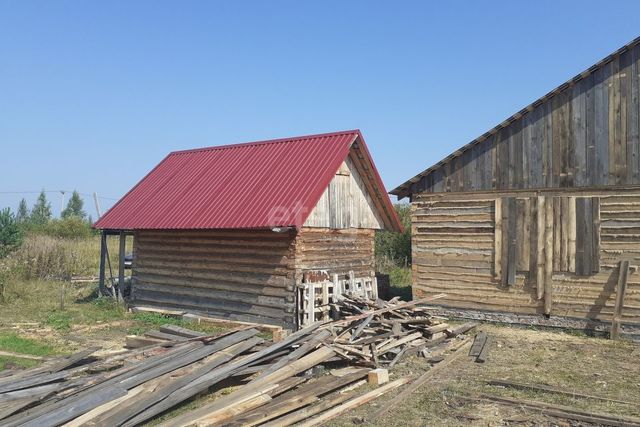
467, 245
337, 251
238, 275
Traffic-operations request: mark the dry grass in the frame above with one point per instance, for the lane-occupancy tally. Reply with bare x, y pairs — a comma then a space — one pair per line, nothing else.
576, 363
47, 257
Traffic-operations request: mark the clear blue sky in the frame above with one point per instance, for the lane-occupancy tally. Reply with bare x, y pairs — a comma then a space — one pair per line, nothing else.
94, 94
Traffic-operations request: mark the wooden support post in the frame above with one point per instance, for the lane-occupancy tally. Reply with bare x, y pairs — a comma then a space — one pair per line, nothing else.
103, 259
548, 255
337, 286
513, 258
497, 247
311, 303
620, 291
540, 245
595, 252
572, 234
123, 243
325, 300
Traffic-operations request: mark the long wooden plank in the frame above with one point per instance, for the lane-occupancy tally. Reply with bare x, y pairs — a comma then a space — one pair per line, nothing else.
540, 246
555, 390
353, 403
326, 403
595, 218
621, 288
549, 255
497, 247
568, 412
217, 375
512, 242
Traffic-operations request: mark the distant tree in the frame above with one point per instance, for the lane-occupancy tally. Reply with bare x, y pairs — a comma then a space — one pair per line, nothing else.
23, 212
74, 207
10, 233
41, 211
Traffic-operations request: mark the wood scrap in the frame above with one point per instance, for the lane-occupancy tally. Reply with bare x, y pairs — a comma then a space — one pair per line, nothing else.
555, 390
353, 403
566, 412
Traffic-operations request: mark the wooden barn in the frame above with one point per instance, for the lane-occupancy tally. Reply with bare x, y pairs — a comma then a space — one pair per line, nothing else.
255, 232
535, 216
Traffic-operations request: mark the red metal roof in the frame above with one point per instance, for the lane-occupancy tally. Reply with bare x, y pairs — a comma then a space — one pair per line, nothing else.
254, 185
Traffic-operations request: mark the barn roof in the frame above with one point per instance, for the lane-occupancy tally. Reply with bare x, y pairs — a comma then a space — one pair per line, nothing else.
405, 189
262, 184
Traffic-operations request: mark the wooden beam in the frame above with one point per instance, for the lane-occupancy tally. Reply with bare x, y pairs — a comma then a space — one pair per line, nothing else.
512, 241
103, 261
497, 246
540, 246
548, 255
554, 390
621, 289
353, 403
121, 256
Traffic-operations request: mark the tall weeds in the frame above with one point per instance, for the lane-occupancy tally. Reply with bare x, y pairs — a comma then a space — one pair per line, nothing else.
56, 258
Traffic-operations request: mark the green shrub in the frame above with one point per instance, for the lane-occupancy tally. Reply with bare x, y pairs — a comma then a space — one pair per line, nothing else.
394, 249
10, 233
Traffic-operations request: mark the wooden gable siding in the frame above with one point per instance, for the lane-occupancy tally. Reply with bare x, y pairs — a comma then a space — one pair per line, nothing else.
337, 251
345, 203
586, 135
235, 274
458, 249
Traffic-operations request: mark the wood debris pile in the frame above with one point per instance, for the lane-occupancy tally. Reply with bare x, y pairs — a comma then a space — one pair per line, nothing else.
274, 384
381, 333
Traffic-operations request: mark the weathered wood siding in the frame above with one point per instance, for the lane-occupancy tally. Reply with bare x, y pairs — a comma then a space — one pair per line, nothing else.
585, 134
337, 251
460, 244
239, 275
345, 203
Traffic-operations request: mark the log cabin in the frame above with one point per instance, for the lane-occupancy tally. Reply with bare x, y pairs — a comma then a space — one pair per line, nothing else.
235, 231
529, 222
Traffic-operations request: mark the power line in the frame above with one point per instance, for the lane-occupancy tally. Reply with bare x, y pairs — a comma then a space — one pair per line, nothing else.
55, 191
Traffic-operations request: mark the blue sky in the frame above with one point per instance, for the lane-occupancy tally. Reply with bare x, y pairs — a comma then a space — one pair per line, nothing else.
94, 94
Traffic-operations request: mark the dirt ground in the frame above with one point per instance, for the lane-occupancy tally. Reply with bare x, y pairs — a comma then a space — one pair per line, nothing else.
576, 363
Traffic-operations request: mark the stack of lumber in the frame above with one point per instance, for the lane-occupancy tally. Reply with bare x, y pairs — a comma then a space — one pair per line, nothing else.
274, 384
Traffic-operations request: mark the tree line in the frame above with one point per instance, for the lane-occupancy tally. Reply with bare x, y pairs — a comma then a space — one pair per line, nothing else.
73, 221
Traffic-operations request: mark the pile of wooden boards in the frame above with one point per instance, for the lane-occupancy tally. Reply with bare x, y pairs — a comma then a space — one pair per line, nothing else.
388, 331
275, 384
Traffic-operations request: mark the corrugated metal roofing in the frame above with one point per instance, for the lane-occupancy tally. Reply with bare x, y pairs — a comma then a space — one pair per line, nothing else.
254, 185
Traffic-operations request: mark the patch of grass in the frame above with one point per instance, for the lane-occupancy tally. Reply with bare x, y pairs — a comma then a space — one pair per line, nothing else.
145, 321
16, 344
400, 276
59, 320
7, 362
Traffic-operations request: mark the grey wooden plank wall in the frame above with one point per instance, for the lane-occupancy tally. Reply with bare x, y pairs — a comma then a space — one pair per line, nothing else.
586, 135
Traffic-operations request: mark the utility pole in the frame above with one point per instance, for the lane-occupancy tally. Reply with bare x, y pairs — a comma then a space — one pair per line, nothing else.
95, 200
62, 204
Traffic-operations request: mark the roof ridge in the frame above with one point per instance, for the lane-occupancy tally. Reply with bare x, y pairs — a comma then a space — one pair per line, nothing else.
266, 141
